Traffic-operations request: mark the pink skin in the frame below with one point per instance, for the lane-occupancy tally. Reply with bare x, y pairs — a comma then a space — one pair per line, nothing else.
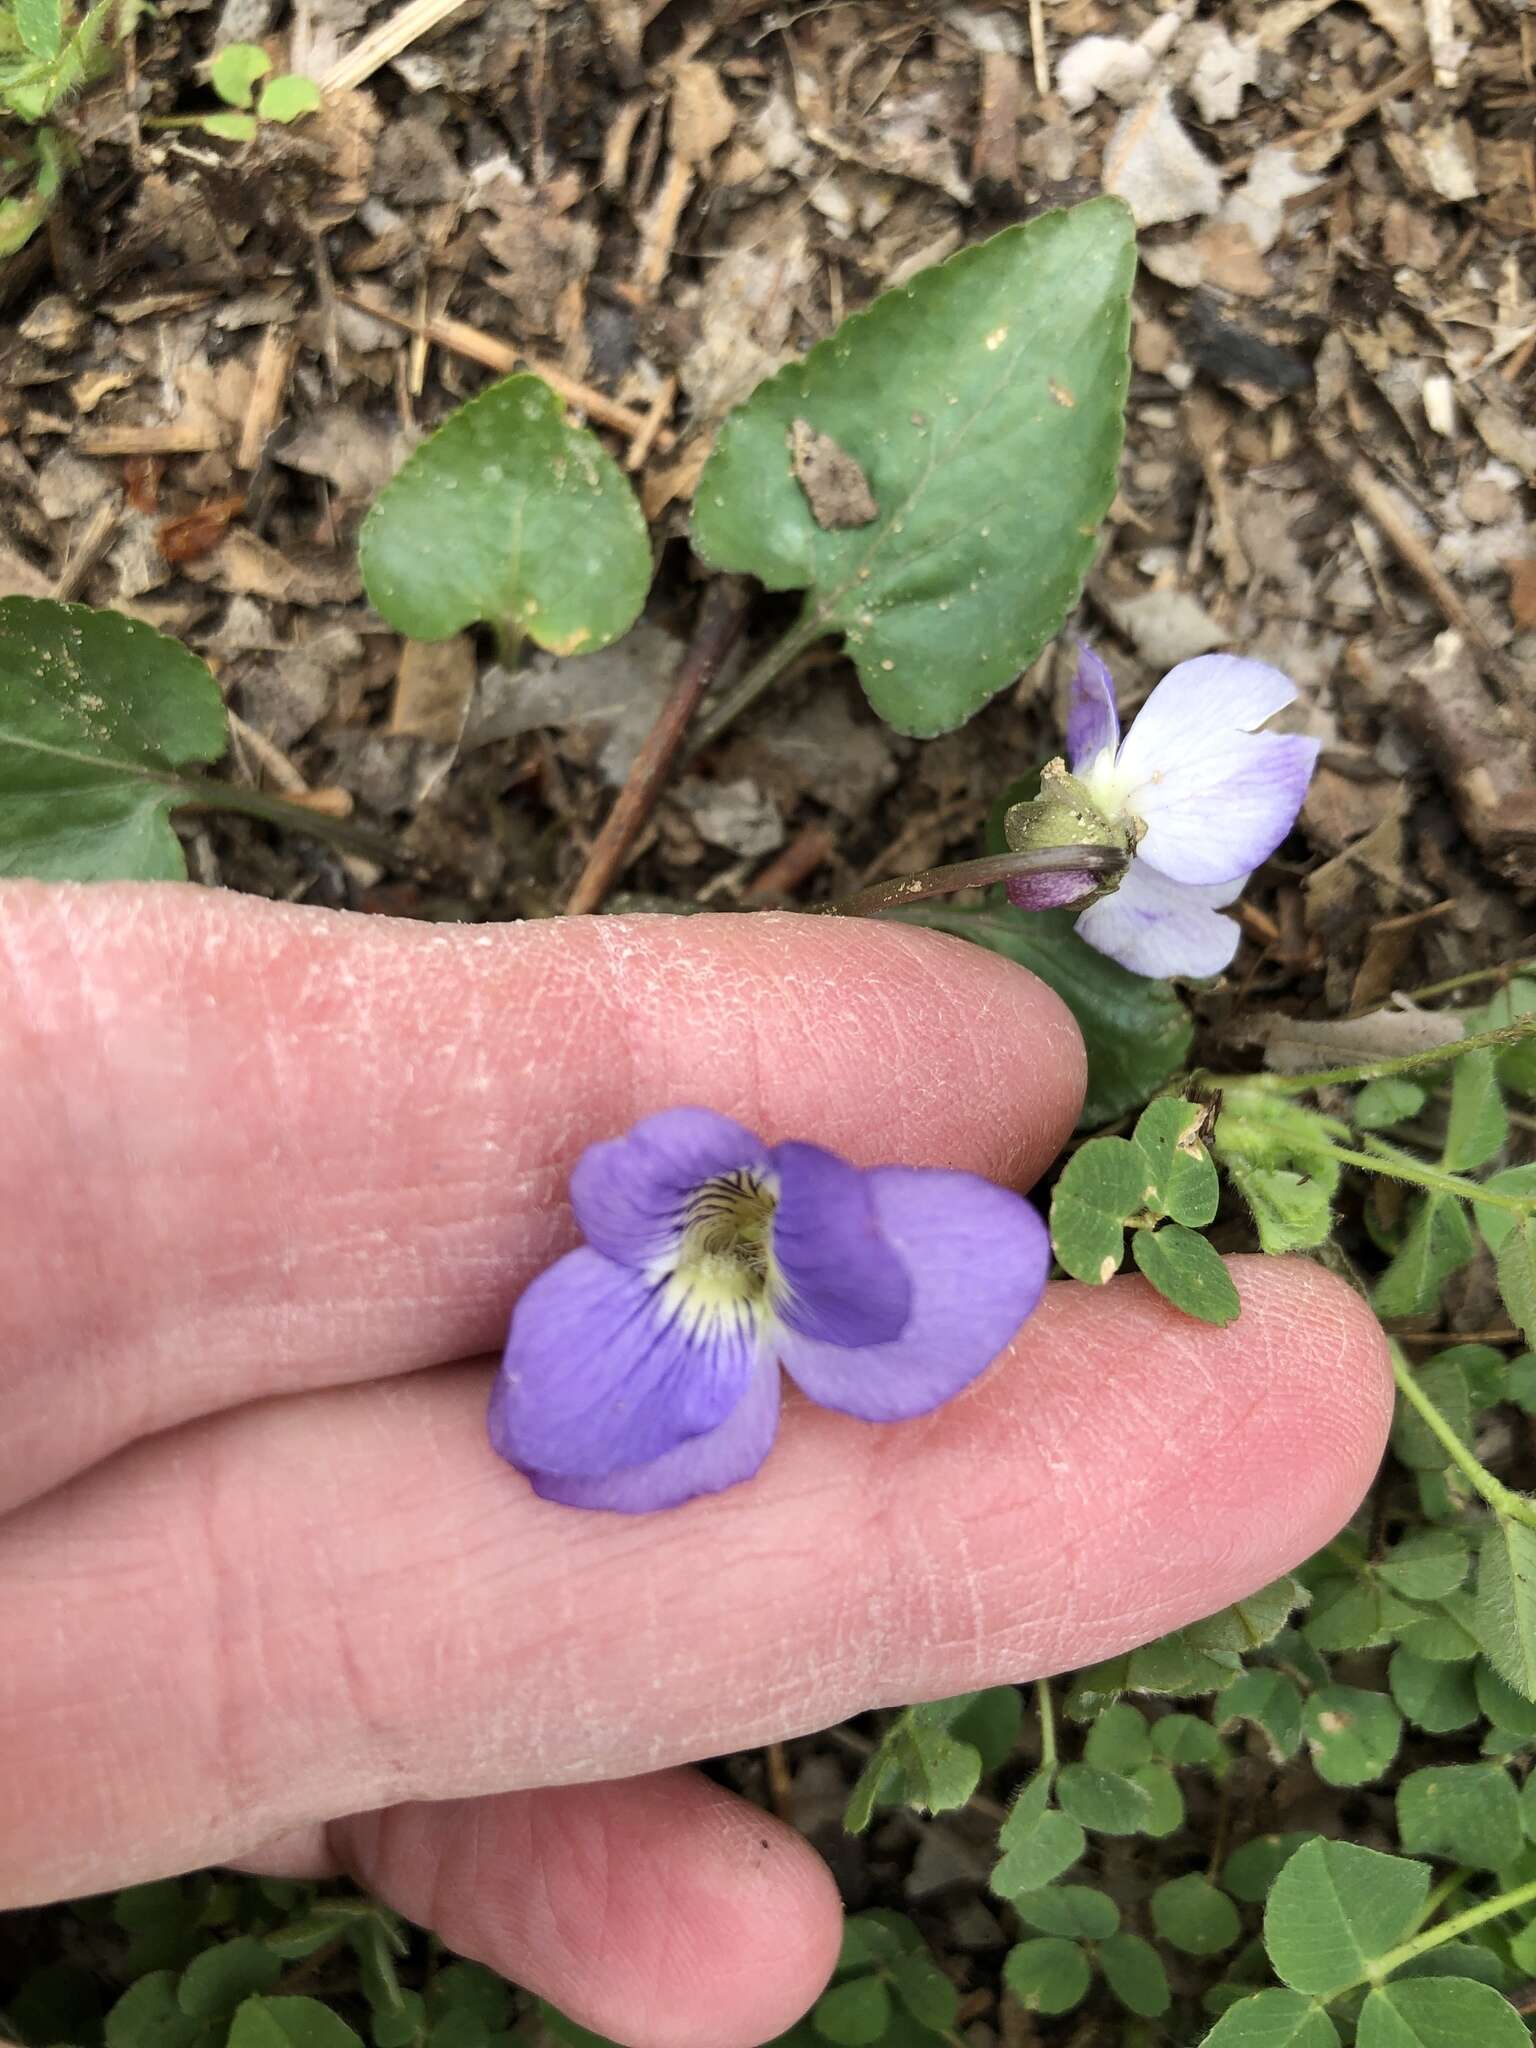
266, 1594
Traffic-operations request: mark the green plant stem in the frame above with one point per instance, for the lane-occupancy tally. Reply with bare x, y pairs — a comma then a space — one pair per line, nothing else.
1477, 974
1447, 1889
1397, 1166
1046, 1708
806, 630
208, 794
1499, 1497
1378, 1070
1448, 1930
1105, 861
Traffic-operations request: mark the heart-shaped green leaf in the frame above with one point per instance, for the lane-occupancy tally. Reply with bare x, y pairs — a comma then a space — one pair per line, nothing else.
1077, 1910
1181, 1177
1036, 1841
1134, 1971
1439, 1243
235, 70
1335, 1908
1353, 1733
289, 2023
1187, 1270
97, 714
1273, 2019
1440, 2012
1192, 1914
1391, 1100
509, 514
1050, 1975
287, 98
1436, 1697
1099, 1188
1468, 1813
229, 127
933, 474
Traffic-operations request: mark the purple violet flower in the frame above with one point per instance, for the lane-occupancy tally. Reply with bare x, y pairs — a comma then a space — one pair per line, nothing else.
644, 1368
1207, 794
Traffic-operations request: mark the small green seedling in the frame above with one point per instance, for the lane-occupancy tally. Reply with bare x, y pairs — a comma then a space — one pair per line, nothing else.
235, 74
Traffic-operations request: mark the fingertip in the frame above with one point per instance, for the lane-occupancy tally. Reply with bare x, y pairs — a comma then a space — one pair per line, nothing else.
1151, 1467
661, 1911
890, 1042
1331, 1400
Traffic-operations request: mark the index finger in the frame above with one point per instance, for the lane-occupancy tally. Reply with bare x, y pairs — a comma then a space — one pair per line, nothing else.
253, 1149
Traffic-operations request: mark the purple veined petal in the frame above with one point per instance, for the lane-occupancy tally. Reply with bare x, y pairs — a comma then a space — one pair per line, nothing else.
1157, 927
731, 1451
1216, 795
1050, 892
1093, 723
847, 1282
604, 1368
1221, 812
978, 1256
629, 1193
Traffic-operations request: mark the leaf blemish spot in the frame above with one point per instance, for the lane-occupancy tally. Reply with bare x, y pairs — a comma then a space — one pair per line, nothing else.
1063, 396
997, 337
1108, 1267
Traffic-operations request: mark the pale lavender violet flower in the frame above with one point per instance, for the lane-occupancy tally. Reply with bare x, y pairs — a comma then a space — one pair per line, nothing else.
1207, 794
643, 1369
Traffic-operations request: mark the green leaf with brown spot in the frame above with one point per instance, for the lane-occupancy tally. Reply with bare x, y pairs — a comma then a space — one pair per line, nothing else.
965, 433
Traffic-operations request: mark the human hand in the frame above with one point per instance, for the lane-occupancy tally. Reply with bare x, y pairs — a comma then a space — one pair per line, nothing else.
267, 1595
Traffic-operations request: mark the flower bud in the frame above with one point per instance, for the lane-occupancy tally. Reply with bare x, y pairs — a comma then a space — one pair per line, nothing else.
1063, 814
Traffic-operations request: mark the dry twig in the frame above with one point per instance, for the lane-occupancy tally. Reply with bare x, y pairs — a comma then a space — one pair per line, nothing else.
383, 44
721, 617
461, 339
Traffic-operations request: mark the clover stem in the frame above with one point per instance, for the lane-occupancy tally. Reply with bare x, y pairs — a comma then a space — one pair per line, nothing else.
1398, 1166
1447, 1930
807, 629
1046, 1709
1447, 1889
1502, 972
1107, 862
1403, 1063
207, 794
1499, 1497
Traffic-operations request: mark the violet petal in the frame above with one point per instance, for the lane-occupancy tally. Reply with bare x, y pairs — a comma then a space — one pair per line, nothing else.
722, 1456
847, 1283
629, 1193
604, 1368
1216, 796
1157, 927
1093, 723
978, 1256
1219, 814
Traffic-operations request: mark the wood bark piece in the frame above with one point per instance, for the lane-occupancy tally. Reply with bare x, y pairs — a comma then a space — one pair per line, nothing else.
1477, 753
1391, 516
274, 364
